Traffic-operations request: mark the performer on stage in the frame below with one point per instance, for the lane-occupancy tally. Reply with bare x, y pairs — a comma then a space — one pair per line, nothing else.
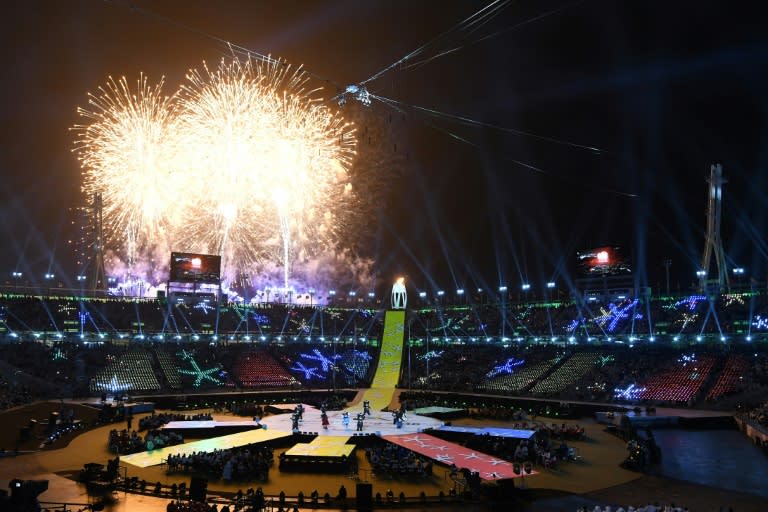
360, 419
324, 420
367, 407
345, 420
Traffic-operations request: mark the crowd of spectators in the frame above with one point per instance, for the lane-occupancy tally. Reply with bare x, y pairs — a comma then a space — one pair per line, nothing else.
250, 462
130, 441
651, 507
759, 414
391, 459
13, 395
436, 360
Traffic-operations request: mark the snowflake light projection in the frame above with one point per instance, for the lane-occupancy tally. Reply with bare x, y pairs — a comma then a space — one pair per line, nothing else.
302, 326
760, 323
688, 302
631, 392
685, 359
309, 373
114, 385
259, 318
432, 354
573, 325
198, 373
506, 368
616, 314
83, 317
205, 307
733, 298
326, 362
604, 360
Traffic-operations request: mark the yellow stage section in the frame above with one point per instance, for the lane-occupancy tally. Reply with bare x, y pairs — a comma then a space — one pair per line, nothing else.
332, 446
155, 457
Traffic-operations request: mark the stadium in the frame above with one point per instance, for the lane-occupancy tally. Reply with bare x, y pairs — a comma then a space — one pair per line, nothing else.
383, 255
593, 374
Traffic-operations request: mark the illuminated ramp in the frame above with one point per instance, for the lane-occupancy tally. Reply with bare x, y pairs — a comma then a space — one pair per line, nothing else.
390, 361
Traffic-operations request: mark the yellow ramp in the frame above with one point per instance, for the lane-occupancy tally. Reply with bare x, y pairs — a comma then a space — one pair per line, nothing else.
390, 361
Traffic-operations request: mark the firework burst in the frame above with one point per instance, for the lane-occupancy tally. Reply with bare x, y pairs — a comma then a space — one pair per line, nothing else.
242, 161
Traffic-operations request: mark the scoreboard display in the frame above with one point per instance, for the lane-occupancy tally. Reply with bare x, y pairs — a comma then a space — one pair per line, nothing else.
187, 267
603, 261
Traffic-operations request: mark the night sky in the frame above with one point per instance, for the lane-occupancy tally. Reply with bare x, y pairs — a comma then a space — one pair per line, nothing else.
662, 88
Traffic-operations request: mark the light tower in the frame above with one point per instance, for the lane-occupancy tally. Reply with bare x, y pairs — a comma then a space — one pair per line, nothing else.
98, 280
713, 244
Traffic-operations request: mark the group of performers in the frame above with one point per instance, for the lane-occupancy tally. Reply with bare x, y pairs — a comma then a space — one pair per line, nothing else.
298, 413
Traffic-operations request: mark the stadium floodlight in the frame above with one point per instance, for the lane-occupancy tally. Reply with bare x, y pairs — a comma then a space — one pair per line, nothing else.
332, 292
701, 273
502, 288
422, 294
460, 291
440, 293
738, 271
81, 278
16, 274
550, 284
48, 276
749, 338
526, 287
352, 293
371, 295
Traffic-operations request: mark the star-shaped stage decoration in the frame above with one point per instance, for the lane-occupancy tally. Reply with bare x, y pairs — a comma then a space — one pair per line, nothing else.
496, 462
444, 458
494, 475
472, 455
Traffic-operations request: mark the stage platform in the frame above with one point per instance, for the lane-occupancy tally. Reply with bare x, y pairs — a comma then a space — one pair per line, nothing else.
131, 407
443, 413
156, 457
666, 417
323, 455
208, 429
439, 450
512, 433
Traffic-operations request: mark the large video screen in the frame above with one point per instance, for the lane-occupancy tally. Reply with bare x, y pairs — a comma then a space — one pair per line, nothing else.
603, 261
187, 267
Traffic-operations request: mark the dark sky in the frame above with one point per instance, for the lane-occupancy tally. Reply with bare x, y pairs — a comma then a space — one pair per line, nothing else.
662, 88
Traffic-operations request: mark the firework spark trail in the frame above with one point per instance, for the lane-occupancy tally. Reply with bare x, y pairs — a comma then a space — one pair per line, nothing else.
242, 161
126, 158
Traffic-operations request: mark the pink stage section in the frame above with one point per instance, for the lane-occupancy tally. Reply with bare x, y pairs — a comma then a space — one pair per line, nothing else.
488, 467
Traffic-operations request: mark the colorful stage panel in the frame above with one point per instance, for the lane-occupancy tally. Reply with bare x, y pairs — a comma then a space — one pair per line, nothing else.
497, 432
487, 466
194, 425
320, 450
155, 457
